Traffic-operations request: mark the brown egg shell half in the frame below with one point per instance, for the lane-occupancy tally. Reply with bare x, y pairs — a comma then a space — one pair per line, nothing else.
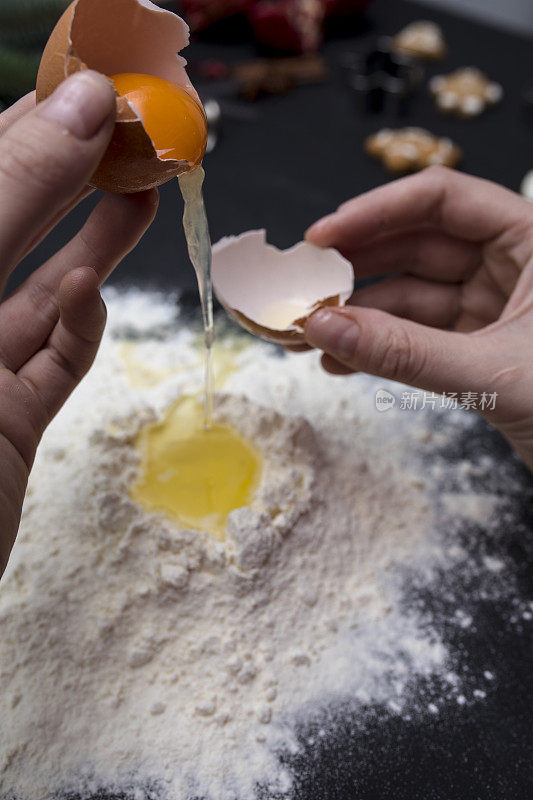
112, 37
249, 275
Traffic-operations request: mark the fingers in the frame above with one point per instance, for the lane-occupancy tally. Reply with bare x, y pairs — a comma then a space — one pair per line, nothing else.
22, 421
16, 111
12, 490
48, 156
333, 366
460, 205
8, 118
55, 371
482, 302
368, 340
412, 298
85, 192
112, 230
427, 253
297, 348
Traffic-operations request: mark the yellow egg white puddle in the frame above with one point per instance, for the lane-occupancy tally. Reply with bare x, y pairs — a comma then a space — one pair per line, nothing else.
139, 373
194, 475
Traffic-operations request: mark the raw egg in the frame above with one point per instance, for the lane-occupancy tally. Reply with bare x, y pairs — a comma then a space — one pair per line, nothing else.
192, 474
161, 128
173, 120
272, 292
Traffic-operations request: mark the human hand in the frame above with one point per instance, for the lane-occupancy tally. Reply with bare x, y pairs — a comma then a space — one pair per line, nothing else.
51, 326
457, 315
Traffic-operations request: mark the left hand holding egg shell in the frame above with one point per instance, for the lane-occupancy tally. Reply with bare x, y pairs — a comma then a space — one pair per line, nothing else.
272, 292
160, 129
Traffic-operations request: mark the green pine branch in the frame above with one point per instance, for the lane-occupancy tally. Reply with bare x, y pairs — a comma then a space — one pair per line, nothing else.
18, 71
28, 22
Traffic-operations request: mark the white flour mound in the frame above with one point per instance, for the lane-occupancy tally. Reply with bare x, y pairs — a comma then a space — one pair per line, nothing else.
135, 654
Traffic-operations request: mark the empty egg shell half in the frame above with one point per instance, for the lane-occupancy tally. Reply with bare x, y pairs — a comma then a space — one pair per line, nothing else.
122, 36
272, 292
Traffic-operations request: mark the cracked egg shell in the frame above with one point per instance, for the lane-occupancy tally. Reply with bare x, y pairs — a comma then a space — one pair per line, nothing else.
272, 292
115, 37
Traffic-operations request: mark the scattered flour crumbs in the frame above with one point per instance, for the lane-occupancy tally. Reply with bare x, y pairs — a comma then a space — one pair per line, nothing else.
134, 654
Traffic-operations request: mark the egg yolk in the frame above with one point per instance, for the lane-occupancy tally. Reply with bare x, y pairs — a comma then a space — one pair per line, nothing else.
174, 121
194, 475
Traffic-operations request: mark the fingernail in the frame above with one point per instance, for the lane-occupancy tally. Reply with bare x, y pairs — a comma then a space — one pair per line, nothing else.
80, 104
333, 332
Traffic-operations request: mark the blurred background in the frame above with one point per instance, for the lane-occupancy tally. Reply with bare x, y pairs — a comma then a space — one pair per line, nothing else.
26, 24
512, 14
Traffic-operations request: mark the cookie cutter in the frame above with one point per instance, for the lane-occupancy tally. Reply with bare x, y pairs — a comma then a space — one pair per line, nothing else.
380, 78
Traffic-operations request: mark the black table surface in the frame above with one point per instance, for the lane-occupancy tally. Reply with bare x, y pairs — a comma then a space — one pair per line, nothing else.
280, 164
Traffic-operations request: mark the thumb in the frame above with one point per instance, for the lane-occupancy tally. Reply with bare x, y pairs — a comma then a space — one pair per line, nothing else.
48, 156
369, 340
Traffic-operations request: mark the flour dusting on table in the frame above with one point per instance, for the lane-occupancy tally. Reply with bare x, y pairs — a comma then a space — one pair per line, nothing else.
162, 662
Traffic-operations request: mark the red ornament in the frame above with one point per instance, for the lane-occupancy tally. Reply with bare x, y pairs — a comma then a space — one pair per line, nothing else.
200, 14
345, 8
292, 26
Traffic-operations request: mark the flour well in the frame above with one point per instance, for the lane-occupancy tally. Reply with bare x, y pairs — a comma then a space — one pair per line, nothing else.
160, 662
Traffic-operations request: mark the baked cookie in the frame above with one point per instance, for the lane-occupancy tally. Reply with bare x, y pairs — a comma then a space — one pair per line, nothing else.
411, 149
277, 75
466, 92
421, 39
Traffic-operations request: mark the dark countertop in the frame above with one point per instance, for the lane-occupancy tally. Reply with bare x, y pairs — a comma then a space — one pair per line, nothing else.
288, 161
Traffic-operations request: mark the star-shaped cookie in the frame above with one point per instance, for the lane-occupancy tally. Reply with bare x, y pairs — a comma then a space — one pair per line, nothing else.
466, 92
411, 149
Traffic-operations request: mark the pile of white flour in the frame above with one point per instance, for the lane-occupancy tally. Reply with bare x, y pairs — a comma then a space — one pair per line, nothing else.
161, 662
